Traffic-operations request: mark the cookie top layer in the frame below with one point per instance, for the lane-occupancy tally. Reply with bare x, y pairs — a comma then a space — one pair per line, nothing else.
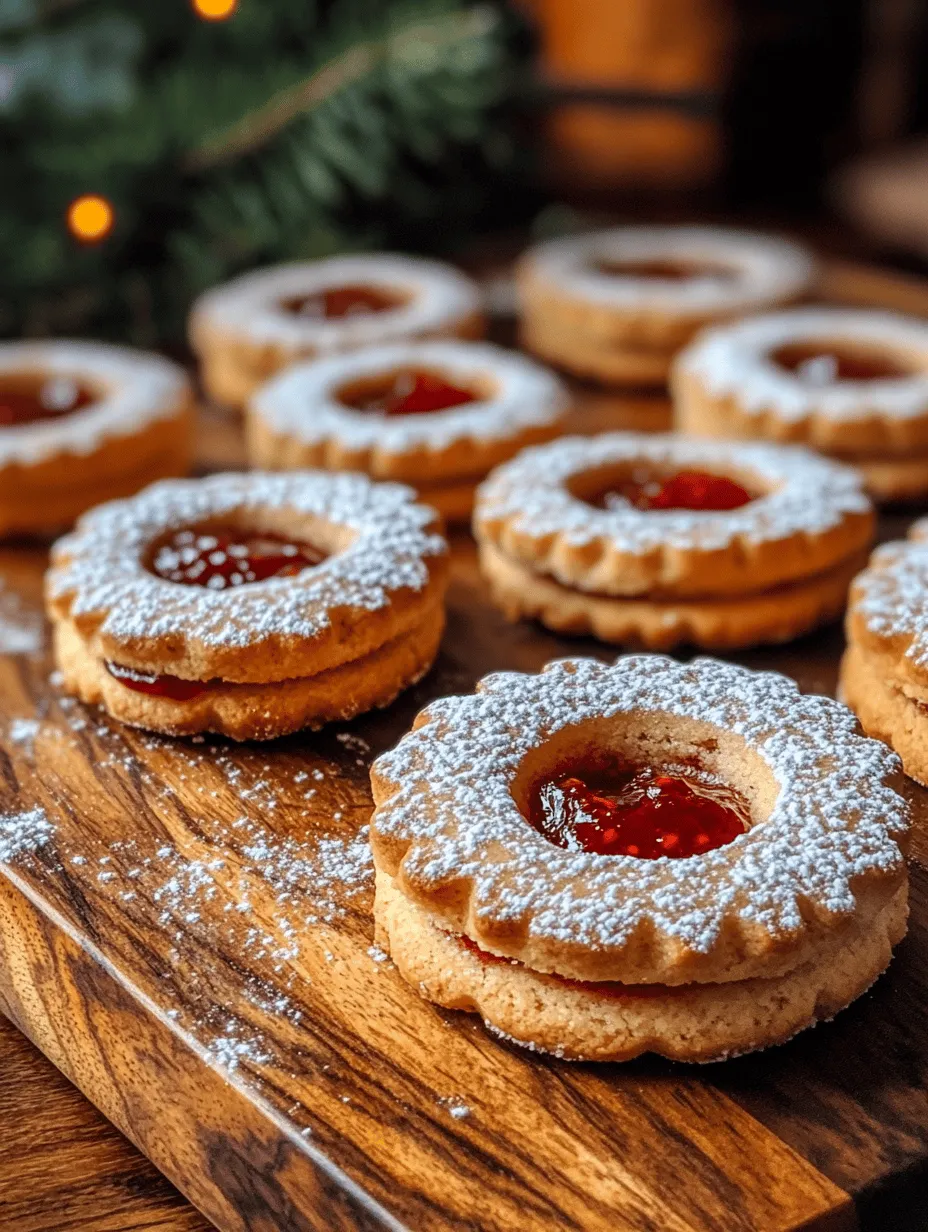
809, 513
511, 394
385, 563
134, 389
250, 309
822, 850
737, 361
732, 270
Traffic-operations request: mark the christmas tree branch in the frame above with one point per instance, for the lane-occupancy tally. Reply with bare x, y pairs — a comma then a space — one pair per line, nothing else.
253, 131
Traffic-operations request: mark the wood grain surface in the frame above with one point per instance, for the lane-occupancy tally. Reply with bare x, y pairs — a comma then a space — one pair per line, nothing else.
192, 947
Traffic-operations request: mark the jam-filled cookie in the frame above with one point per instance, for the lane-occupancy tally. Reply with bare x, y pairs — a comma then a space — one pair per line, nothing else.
82, 422
658, 540
250, 328
438, 415
851, 383
614, 306
884, 674
695, 860
249, 605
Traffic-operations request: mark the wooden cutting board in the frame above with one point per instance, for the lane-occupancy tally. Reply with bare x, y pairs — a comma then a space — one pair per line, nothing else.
191, 944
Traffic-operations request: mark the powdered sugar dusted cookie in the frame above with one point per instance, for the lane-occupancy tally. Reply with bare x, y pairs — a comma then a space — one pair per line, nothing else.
615, 305
664, 539
246, 330
657, 847
435, 414
852, 383
82, 422
249, 604
884, 675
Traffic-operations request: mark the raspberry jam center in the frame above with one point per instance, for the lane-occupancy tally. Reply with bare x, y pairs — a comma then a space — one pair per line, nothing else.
408, 392
658, 270
335, 302
645, 813
695, 490
171, 687
28, 399
224, 557
824, 363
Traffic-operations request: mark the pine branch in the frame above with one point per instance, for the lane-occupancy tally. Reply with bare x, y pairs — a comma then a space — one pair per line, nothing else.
255, 130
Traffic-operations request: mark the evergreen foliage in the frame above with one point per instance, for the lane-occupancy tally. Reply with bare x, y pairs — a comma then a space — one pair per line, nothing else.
293, 129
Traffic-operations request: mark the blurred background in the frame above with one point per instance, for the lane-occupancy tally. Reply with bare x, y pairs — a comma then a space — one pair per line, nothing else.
151, 150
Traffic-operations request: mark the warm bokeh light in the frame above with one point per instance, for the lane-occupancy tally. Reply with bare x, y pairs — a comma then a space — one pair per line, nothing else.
215, 10
90, 218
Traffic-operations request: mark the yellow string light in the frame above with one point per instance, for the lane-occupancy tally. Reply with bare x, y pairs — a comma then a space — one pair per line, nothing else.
90, 218
214, 10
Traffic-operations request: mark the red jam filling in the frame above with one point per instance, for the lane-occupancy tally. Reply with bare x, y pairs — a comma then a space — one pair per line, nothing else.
644, 813
696, 490
664, 271
170, 687
409, 392
27, 399
224, 557
335, 302
823, 363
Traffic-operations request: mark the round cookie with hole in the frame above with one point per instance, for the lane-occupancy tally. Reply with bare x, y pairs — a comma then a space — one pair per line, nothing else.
84, 422
437, 415
248, 605
246, 330
848, 382
614, 306
660, 540
695, 860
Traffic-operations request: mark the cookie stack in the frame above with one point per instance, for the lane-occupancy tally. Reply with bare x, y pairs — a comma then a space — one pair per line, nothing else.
248, 329
660, 540
884, 674
694, 860
248, 605
437, 415
615, 306
851, 383
84, 422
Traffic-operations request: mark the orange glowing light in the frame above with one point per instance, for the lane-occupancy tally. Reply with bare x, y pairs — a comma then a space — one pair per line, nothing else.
215, 10
90, 218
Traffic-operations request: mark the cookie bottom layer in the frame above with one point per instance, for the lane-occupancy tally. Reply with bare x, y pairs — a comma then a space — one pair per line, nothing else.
256, 711
885, 712
707, 1022
592, 358
776, 615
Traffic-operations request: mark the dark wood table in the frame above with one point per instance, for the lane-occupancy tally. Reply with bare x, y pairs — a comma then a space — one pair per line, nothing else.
859, 1126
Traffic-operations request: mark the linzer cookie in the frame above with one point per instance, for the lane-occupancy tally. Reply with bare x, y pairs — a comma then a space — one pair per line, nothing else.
614, 306
660, 540
250, 328
884, 674
438, 415
83, 422
851, 383
694, 860
249, 605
